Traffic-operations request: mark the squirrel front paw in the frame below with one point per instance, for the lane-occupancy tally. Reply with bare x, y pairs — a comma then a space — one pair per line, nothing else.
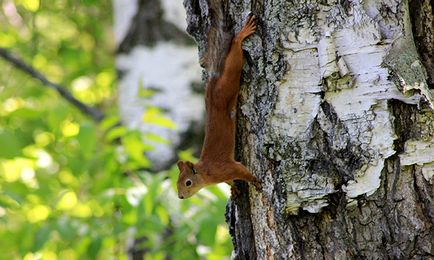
248, 29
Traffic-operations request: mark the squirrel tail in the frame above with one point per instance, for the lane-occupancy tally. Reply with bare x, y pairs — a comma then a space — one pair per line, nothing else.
219, 38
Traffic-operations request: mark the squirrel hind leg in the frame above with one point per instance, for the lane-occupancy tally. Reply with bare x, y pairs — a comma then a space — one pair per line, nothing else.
242, 173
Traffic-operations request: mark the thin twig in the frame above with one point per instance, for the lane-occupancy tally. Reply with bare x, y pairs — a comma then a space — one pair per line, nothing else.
94, 113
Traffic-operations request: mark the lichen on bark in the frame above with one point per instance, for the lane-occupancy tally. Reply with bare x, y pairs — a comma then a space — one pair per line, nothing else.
324, 124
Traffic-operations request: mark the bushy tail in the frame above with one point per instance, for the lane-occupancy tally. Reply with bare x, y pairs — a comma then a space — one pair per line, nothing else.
219, 38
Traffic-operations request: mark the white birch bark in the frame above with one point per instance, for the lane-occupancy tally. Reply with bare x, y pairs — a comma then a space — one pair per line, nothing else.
151, 56
336, 119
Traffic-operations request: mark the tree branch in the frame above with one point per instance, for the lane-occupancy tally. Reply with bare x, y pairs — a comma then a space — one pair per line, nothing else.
94, 113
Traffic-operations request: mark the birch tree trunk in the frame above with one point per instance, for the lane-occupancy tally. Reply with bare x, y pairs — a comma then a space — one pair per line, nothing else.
157, 68
336, 119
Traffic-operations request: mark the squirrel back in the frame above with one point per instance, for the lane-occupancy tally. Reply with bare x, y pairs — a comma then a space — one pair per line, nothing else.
219, 38
217, 163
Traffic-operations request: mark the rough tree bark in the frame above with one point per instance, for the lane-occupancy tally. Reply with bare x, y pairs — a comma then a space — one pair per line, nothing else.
336, 118
157, 66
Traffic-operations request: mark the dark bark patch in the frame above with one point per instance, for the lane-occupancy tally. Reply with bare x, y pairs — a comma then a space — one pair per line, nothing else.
240, 225
404, 123
422, 21
342, 161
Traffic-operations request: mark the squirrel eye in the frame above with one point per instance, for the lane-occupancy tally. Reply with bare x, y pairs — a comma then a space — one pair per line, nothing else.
188, 183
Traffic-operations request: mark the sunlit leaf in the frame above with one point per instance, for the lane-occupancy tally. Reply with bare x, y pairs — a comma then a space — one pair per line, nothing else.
67, 201
38, 213
163, 215
187, 155
52, 25
104, 78
43, 139
7, 40
130, 218
146, 92
67, 178
11, 170
67, 254
155, 116
156, 138
82, 211
135, 148
109, 122
87, 42
31, 5
70, 129
116, 132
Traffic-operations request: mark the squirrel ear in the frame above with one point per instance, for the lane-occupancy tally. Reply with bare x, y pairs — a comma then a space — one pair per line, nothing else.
180, 165
189, 164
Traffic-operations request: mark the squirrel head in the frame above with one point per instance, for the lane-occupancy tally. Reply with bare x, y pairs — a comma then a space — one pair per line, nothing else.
189, 180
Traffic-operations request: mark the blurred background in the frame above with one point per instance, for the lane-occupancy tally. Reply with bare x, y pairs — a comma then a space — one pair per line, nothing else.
93, 178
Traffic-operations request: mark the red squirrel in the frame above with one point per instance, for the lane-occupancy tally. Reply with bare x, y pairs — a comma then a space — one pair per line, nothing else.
217, 163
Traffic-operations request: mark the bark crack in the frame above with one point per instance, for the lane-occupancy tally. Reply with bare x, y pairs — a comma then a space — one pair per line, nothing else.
427, 206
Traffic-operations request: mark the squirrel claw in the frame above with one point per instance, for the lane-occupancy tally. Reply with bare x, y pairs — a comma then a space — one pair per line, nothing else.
248, 29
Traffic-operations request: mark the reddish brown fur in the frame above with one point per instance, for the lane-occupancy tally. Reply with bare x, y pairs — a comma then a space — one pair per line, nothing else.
217, 162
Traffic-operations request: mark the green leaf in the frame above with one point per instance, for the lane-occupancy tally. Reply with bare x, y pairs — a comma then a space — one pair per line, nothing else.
109, 122
146, 92
155, 116
31, 5
156, 138
25, 113
135, 148
56, 116
42, 236
8, 202
26, 235
7, 39
207, 232
10, 146
187, 155
116, 132
66, 230
94, 247
87, 138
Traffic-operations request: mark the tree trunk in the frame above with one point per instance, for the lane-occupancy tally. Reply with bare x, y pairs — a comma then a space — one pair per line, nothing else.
336, 119
157, 67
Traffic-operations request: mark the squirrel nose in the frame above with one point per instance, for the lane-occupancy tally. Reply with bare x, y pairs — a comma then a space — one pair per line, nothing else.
181, 197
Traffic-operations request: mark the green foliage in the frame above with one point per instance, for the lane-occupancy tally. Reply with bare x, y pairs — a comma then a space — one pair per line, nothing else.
74, 189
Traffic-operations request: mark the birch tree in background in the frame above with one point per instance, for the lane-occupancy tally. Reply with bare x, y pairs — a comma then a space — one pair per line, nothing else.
336, 119
159, 76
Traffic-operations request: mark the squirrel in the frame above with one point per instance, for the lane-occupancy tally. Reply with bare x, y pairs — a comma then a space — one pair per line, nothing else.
217, 163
